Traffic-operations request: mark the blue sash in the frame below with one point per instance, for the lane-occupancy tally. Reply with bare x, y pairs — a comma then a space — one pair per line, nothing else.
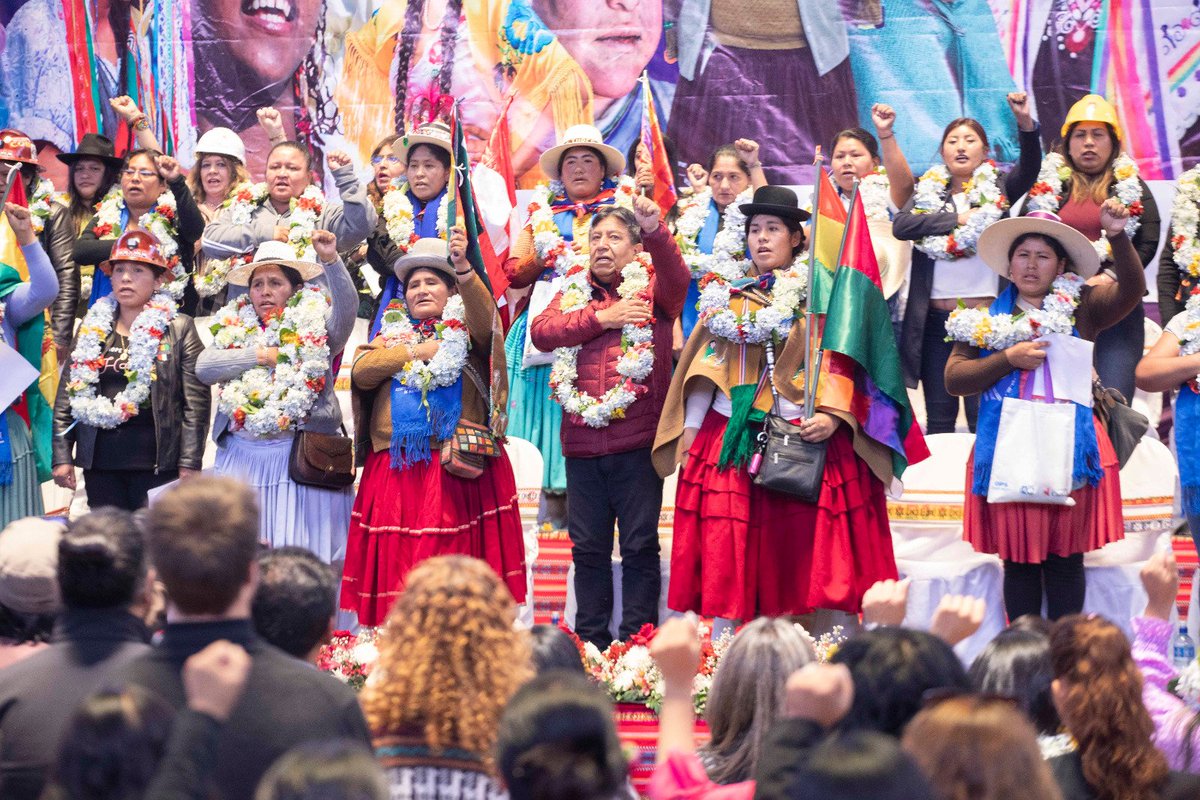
1187, 446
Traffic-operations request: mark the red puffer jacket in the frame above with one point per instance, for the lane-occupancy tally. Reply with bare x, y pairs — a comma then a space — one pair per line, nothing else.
597, 363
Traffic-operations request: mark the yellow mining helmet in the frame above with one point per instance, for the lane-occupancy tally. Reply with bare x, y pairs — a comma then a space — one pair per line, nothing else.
1092, 108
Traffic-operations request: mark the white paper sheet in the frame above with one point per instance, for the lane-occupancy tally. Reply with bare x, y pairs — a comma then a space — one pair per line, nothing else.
16, 374
1070, 360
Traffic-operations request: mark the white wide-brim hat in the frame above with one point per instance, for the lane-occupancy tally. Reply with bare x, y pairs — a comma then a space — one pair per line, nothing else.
998, 237
281, 254
435, 134
427, 253
582, 136
221, 142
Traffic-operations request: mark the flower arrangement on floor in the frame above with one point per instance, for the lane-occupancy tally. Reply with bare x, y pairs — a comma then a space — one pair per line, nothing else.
350, 656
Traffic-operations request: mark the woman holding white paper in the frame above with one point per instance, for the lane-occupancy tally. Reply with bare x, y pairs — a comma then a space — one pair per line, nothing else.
22, 322
998, 353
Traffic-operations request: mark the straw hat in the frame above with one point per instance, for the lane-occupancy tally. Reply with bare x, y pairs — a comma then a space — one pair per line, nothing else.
998, 237
428, 253
436, 134
280, 254
582, 136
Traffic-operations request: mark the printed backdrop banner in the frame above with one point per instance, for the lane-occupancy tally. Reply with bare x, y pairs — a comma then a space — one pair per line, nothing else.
787, 73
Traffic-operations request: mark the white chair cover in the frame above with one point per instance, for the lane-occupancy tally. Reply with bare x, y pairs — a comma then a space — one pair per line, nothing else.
527, 469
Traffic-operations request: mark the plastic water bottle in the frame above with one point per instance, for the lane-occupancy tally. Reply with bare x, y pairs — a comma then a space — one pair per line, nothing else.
1183, 649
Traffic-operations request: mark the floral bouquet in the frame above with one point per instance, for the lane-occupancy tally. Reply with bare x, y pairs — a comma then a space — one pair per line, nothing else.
350, 656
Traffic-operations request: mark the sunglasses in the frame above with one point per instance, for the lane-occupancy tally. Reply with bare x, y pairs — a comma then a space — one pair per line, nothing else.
377, 160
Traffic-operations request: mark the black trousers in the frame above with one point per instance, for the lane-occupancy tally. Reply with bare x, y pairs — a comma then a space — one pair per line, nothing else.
623, 490
125, 489
1060, 577
941, 407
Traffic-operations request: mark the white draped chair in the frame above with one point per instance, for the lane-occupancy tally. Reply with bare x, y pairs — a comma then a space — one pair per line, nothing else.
527, 469
927, 536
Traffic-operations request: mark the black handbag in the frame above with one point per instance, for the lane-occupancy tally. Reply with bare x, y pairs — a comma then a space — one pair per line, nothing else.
1124, 425
787, 463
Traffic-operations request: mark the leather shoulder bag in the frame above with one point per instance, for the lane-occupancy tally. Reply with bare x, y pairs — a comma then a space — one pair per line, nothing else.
788, 464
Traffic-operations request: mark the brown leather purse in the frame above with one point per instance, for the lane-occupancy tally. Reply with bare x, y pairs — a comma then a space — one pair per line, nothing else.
323, 460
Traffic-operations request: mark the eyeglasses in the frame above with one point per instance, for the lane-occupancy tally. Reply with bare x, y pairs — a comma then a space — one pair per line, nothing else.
144, 174
377, 160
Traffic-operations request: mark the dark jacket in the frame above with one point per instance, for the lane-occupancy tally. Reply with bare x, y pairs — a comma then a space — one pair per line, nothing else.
90, 249
286, 701
601, 350
39, 695
1068, 772
58, 240
179, 402
1173, 288
910, 227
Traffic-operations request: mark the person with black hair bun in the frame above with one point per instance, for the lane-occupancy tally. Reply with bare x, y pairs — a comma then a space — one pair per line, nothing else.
557, 741
1016, 664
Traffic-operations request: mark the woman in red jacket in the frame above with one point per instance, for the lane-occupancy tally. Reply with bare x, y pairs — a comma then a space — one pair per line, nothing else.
611, 328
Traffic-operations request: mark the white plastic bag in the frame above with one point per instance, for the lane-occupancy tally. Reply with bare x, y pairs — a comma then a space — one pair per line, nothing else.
539, 300
1034, 459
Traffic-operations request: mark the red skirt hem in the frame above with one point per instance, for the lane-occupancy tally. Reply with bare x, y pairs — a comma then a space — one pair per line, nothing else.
402, 517
1028, 532
741, 551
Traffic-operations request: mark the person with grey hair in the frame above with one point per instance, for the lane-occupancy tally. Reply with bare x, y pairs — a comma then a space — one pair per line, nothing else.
29, 597
611, 329
747, 695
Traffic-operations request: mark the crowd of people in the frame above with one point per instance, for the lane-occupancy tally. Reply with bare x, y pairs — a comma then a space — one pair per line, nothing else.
635, 342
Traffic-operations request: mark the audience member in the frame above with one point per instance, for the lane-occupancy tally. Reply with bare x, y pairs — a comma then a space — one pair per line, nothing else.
29, 596
296, 599
1016, 664
333, 770
101, 575
202, 537
553, 650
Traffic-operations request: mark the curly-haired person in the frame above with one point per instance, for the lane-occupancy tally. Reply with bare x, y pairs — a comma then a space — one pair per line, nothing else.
1098, 691
449, 660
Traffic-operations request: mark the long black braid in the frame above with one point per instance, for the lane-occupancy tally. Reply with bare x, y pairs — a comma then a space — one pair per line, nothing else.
405, 45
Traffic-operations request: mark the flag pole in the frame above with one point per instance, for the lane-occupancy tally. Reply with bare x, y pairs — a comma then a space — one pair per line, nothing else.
810, 381
646, 100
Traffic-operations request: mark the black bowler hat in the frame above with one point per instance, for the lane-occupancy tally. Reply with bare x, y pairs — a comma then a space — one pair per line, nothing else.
93, 145
778, 201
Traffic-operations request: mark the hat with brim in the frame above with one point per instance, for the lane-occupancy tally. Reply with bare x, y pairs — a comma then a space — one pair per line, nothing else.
428, 253
998, 237
277, 254
434, 134
18, 148
776, 201
29, 566
582, 136
93, 145
136, 246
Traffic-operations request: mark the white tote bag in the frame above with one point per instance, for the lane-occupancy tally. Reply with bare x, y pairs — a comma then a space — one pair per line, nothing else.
539, 299
1034, 458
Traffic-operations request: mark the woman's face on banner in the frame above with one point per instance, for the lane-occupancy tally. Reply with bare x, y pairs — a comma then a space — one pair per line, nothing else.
270, 37
613, 40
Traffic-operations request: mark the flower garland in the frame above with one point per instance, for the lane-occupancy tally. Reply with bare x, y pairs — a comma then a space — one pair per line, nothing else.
398, 216
304, 211
876, 193
996, 332
548, 241
754, 326
447, 364
1047, 193
1185, 224
87, 359
268, 400
637, 349
982, 191
692, 220
160, 220
39, 205
1189, 343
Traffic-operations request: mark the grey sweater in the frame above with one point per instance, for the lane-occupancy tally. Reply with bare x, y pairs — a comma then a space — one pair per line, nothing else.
351, 220
216, 366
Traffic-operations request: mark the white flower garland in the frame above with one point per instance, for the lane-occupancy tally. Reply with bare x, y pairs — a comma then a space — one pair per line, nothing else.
693, 219
265, 400
996, 332
876, 193
1047, 194
548, 241
87, 359
982, 191
161, 220
1189, 343
447, 364
39, 205
305, 210
398, 216
637, 349
1185, 224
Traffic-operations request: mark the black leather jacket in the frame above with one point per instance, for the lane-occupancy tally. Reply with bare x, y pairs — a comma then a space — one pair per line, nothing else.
58, 240
180, 403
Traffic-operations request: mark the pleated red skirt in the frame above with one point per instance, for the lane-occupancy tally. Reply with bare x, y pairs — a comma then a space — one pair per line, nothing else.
403, 516
741, 551
1028, 532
